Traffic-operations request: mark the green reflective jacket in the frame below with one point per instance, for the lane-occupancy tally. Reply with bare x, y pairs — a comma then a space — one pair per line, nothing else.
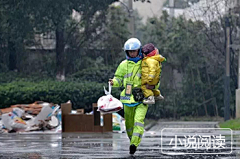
127, 71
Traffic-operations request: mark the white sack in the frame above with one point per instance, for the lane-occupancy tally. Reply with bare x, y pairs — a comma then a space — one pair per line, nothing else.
109, 104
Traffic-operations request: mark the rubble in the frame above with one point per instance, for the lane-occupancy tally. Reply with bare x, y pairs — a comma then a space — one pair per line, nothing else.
33, 108
47, 117
30, 117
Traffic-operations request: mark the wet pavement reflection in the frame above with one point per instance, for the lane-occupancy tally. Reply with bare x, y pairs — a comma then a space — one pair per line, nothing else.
89, 145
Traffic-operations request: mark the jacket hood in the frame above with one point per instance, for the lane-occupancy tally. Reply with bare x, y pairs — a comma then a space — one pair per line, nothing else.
155, 55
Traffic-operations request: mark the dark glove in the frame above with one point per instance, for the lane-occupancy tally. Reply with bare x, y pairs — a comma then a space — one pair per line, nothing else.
137, 94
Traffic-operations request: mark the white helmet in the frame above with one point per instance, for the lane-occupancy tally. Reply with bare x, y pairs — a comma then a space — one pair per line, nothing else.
132, 44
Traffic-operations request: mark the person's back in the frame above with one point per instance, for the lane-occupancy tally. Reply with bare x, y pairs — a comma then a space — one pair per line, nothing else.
151, 71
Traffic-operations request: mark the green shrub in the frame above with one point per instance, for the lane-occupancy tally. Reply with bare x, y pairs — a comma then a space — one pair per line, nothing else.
100, 74
11, 76
81, 94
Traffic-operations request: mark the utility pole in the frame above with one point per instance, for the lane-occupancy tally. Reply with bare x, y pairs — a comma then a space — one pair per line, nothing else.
131, 17
238, 90
227, 76
236, 10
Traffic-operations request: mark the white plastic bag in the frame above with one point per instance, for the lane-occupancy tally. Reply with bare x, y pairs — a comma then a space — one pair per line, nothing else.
109, 104
17, 111
12, 122
46, 112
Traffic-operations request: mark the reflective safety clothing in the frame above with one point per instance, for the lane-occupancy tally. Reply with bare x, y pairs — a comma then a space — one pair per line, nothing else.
127, 72
151, 71
134, 120
130, 72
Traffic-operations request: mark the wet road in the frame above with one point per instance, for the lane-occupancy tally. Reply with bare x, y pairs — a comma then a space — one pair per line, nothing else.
107, 145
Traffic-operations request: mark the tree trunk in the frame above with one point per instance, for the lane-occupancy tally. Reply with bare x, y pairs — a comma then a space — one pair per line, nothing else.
12, 65
174, 97
194, 94
204, 100
210, 87
60, 55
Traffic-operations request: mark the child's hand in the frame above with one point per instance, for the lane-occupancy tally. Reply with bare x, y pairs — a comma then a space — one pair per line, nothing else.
111, 81
150, 86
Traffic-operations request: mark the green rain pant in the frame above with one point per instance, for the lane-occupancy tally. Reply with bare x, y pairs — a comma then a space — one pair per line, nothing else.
134, 120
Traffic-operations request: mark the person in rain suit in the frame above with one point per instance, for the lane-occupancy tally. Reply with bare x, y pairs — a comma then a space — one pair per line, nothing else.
128, 75
151, 71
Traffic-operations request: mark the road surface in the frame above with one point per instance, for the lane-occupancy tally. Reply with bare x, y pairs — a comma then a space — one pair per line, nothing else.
106, 145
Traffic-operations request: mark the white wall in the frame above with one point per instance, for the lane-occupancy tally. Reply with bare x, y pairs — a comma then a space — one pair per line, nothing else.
146, 10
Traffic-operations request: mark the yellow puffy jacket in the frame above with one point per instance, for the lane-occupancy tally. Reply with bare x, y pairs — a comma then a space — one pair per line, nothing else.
151, 69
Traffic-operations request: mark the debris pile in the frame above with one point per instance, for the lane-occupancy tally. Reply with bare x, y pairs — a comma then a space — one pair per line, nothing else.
30, 117
47, 117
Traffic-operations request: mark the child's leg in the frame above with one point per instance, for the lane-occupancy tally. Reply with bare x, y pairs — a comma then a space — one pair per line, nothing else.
146, 92
156, 92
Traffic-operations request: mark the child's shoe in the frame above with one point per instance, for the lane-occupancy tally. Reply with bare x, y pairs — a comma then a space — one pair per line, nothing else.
160, 97
149, 100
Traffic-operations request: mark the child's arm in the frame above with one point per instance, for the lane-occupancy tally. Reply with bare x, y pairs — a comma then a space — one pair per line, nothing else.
162, 59
152, 65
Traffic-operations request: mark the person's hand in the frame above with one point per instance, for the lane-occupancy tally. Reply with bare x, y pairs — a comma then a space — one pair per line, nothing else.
111, 81
150, 86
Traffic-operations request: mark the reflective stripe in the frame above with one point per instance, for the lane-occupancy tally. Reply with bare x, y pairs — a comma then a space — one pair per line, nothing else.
137, 134
138, 74
128, 130
128, 75
119, 81
152, 76
124, 97
139, 124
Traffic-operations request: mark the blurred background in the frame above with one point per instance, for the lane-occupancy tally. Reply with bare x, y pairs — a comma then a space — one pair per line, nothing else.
56, 51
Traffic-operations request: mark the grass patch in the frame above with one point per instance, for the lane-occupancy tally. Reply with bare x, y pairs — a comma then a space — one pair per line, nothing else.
232, 124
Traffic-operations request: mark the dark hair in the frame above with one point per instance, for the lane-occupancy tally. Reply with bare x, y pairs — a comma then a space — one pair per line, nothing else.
146, 49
